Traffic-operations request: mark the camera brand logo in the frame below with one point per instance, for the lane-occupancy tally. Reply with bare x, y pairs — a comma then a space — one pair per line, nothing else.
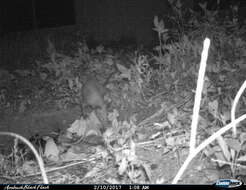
228, 183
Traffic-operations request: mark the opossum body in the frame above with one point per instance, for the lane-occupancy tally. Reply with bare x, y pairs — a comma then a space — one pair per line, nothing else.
92, 94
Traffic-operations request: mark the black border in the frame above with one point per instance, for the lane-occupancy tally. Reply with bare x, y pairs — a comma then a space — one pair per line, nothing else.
107, 187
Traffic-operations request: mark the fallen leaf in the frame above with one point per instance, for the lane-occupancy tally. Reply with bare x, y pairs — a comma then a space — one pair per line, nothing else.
112, 181
223, 145
51, 151
123, 166
242, 158
213, 108
29, 167
242, 138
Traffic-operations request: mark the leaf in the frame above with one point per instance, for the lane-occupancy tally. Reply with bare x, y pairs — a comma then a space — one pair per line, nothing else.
213, 108
203, 6
108, 134
93, 125
28, 167
100, 49
159, 25
78, 83
225, 117
147, 170
162, 126
209, 151
224, 148
43, 76
156, 22
220, 156
178, 4
170, 141
132, 153
123, 166
242, 138
92, 173
160, 180
171, 116
22, 106
70, 83
118, 157
242, 158
72, 154
113, 181
234, 144
109, 60
125, 73
51, 151
78, 127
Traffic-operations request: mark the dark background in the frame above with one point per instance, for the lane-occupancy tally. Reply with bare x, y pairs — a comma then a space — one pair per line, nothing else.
101, 20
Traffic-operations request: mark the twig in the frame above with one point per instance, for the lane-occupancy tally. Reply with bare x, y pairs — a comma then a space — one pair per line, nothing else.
229, 163
155, 96
159, 112
198, 95
196, 108
58, 168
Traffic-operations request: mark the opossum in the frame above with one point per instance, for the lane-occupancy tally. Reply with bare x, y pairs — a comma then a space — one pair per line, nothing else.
93, 92
93, 95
